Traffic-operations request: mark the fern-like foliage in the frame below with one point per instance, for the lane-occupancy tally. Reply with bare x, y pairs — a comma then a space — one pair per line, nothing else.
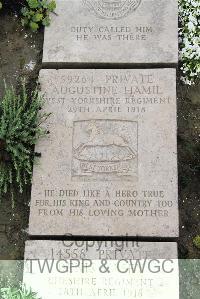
15, 293
20, 120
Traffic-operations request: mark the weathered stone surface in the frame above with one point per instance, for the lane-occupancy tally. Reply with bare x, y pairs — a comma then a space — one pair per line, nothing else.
109, 164
120, 277
91, 31
98, 250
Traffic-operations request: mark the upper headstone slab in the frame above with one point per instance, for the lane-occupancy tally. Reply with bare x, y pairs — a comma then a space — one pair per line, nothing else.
109, 165
107, 31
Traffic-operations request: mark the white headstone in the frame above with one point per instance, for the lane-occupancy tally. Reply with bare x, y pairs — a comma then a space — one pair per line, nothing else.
109, 165
102, 269
120, 31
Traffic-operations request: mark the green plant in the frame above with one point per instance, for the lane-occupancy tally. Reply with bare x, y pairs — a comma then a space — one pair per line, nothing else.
196, 241
37, 13
189, 40
1, 5
15, 293
20, 120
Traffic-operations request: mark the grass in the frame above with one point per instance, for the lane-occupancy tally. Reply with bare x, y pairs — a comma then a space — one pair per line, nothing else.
17, 293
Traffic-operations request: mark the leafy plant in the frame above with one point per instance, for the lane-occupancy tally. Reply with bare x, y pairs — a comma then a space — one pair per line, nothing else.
15, 293
20, 120
37, 13
189, 40
196, 242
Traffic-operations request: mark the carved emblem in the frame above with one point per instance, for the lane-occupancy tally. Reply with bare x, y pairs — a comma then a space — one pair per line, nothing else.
105, 149
112, 9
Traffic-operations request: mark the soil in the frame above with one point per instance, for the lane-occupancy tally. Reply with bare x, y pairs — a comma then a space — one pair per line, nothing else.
189, 168
20, 56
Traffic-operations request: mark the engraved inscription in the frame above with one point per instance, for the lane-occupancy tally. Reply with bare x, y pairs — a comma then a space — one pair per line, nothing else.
105, 149
109, 157
112, 9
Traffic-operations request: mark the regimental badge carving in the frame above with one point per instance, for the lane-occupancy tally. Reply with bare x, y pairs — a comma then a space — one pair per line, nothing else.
105, 150
112, 9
